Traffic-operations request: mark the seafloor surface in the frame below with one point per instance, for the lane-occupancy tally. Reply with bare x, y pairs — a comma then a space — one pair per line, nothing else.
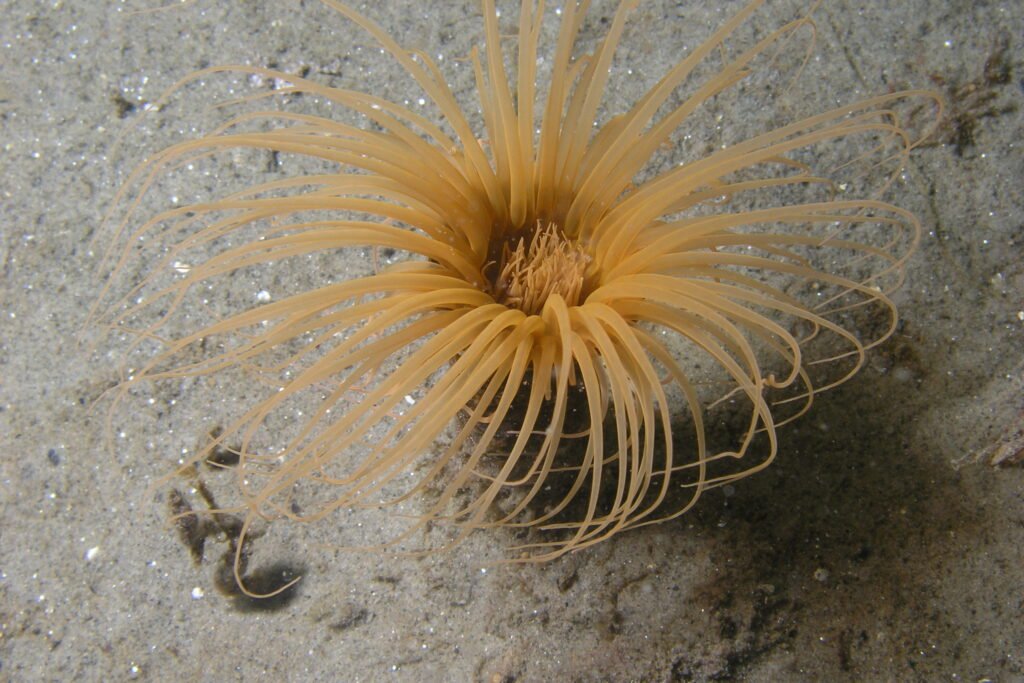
883, 544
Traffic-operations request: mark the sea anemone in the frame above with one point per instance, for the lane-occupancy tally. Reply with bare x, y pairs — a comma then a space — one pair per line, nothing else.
555, 328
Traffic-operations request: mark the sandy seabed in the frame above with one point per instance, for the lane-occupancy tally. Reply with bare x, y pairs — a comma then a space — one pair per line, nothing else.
881, 545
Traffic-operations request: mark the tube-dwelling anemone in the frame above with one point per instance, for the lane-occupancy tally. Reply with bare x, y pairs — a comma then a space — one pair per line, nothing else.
554, 322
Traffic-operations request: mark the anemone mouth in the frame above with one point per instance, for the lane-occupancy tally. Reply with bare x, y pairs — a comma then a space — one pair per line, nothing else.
532, 265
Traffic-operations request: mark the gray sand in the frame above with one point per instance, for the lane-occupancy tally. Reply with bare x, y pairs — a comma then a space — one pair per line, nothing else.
881, 545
